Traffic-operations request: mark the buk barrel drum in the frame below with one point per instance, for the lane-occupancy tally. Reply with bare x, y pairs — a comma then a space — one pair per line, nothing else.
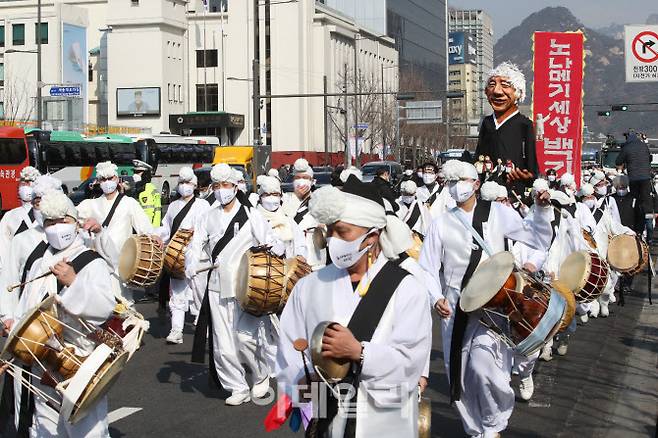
129, 325
41, 340
414, 251
585, 274
524, 312
174, 255
140, 262
424, 418
570, 298
627, 254
295, 269
330, 370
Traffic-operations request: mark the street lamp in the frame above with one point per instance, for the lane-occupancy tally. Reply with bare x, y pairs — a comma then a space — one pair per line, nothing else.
400, 97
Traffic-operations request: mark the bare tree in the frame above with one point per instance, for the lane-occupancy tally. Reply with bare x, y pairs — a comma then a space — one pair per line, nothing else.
19, 105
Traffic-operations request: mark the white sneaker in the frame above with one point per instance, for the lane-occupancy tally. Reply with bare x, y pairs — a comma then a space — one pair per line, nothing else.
546, 352
583, 318
527, 388
237, 398
175, 337
562, 347
261, 389
605, 311
594, 309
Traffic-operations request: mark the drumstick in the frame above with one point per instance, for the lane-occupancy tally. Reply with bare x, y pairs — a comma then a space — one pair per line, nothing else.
207, 268
16, 286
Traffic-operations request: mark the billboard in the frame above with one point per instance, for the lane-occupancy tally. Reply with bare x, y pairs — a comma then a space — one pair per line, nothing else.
138, 102
461, 48
557, 100
74, 66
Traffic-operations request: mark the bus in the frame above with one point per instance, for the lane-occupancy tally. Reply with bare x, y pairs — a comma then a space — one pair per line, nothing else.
14, 156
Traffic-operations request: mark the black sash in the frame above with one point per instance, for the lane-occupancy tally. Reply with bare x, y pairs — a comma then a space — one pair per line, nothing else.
180, 216
107, 220
35, 255
301, 211
204, 320
22, 227
363, 323
598, 213
78, 263
480, 215
415, 214
30, 214
432, 198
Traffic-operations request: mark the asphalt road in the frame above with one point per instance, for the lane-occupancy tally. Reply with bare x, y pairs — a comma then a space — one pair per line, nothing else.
606, 386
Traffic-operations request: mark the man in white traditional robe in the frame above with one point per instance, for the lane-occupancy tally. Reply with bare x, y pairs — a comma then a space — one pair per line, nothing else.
180, 217
364, 243
428, 192
20, 218
487, 399
128, 215
413, 212
86, 294
224, 234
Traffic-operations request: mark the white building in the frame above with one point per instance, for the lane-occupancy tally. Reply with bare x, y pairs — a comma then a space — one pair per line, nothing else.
137, 49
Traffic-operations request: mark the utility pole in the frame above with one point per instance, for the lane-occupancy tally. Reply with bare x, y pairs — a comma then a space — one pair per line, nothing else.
383, 121
256, 86
205, 64
357, 152
39, 80
348, 160
326, 125
223, 60
397, 131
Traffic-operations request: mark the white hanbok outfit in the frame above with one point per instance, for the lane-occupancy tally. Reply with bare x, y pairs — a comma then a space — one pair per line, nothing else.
424, 193
180, 291
238, 337
89, 297
406, 214
443, 203
127, 217
487, 398
9, 224
393, 359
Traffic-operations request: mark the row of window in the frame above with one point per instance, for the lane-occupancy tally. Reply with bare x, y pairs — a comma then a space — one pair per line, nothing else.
174, 50
207, 60
207, 97
18, 34
175, 93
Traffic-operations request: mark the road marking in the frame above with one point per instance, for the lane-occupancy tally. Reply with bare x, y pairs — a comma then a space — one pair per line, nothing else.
121, 413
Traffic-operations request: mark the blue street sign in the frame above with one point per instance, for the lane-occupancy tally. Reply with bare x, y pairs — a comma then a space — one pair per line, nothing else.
72, 91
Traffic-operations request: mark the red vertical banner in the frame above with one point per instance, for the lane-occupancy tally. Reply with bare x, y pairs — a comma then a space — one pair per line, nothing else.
557, 100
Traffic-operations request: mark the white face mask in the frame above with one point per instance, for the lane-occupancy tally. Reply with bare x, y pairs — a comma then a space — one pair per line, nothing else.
270, 203
602, 190
38, 217
346, 254
590, 203
407, 199
61, 236
225, 196
26, 193
551, 178
242, 187
461, 191
185, 189
622, 192
429, 178
137, 177
419, 174
108, 186
302, 183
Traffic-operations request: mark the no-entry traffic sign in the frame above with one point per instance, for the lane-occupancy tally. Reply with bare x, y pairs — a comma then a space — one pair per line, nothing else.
641, 50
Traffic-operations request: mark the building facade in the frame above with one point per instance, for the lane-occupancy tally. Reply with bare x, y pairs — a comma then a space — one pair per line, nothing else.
477, 23
463, 76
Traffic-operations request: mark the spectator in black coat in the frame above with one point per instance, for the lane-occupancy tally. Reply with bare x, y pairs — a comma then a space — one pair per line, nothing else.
381, 182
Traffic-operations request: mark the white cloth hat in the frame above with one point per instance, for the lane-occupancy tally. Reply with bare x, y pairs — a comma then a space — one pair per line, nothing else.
106, 169
540, 185
302, 166
29, 174
567, 180
56, 205
222, 172
502, 192
408, 187
269, 184
46, 183
489, 191
345, 174
586, 190
238, 174
596, 177
186, 175
273, 173
454, 170
515, 76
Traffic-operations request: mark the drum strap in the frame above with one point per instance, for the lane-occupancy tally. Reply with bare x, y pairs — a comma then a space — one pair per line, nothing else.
480, 215
415, 214
7, 402
26, 410
363, 323
35, 255
78, 263
204, 321
180, 216
109, 216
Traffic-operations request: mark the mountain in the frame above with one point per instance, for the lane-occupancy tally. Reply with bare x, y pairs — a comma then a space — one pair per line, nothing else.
653, 19
604, 70
614, 31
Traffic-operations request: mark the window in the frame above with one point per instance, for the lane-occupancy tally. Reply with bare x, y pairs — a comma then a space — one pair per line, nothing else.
169, 92
211, 97
90, 72
180, 94
2, 74
2, 110
210, 61
2, 36
14, 151
18, 34
44, 33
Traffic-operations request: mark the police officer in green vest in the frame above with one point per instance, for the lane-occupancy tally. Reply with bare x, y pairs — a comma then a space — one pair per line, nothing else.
148, 196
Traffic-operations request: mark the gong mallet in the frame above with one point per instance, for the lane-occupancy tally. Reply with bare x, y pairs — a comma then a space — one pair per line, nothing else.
301, 345
25, 283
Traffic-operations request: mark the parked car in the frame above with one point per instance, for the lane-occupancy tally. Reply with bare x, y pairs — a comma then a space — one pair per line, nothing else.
369, 171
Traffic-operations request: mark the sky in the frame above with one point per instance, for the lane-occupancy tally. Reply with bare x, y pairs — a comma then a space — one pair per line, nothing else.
507, 14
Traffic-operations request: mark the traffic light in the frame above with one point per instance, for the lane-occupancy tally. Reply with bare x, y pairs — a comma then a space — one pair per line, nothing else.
620, 107
604, 113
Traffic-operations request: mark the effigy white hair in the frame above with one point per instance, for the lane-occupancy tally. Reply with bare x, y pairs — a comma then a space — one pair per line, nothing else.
515, 76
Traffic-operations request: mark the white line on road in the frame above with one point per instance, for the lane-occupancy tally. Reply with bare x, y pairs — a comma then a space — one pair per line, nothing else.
121, 413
